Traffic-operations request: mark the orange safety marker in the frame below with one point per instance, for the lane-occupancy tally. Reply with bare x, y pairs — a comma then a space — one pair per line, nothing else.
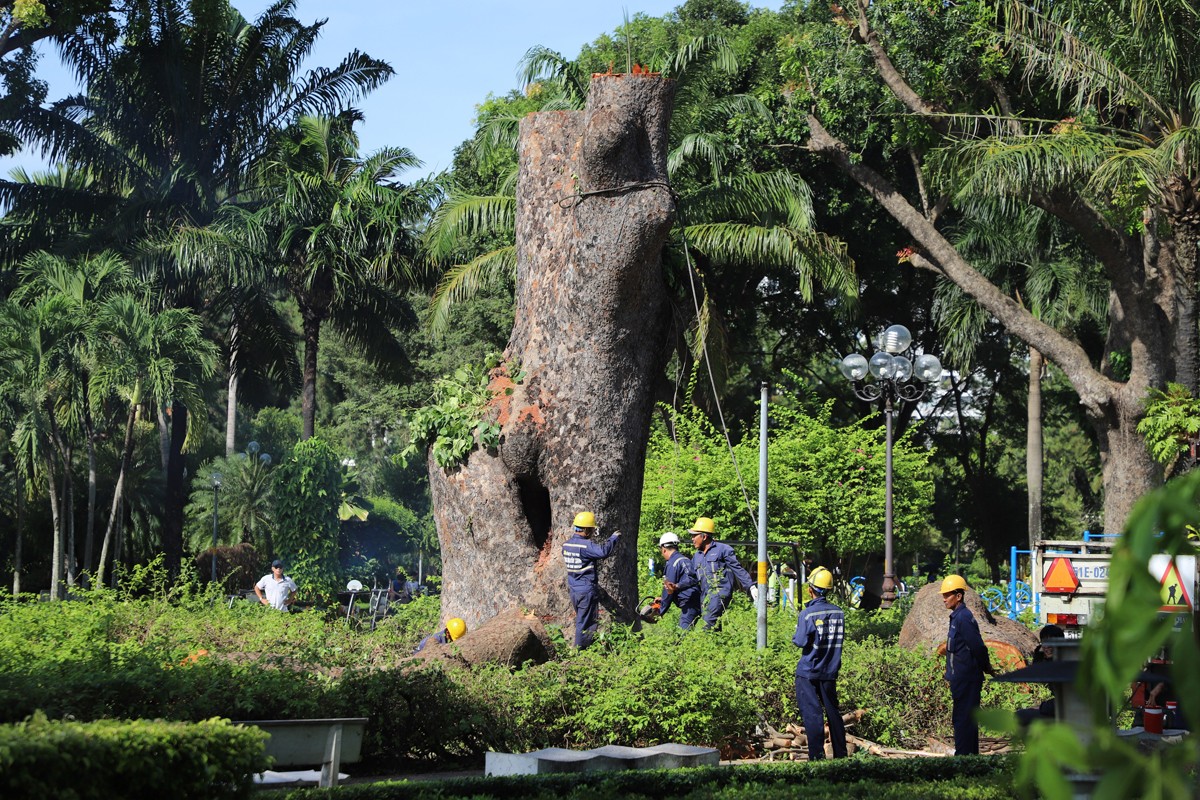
1061, 577
1174, 590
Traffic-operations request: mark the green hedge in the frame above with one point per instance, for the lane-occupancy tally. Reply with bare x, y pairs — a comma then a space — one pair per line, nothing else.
969, 778
105, 658
137, 758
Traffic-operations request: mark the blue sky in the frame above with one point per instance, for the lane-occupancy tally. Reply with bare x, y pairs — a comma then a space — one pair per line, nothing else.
448, 56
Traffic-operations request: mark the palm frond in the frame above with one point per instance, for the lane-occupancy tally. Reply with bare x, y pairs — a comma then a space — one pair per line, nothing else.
463, 281
462, 217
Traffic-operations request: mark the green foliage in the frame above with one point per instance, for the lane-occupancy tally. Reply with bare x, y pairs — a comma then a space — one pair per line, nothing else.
135, 758
1115, 649
276, 431
308, 493
456, 418
826, 483
245, 511
1172, 422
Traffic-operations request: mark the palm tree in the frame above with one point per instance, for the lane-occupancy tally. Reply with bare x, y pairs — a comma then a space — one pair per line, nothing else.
245, 508
82, 283
182, 102
341, 232
143, 356
37, 379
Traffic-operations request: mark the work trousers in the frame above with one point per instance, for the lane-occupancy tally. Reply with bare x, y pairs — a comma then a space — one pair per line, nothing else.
586, 618
817, 700
714, 607
688, 615
966, 696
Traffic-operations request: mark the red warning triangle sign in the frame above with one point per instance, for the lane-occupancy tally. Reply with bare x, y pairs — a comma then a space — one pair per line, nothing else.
1060, 578
1174, 590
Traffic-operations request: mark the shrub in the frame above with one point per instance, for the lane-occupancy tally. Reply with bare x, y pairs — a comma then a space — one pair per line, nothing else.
307, 494
139, 758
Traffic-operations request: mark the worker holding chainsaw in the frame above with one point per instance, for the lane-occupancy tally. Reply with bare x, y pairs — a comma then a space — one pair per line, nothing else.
681, 586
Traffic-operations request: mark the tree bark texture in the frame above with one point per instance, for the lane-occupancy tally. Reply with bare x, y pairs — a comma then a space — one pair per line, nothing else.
1034, 448
172, 533
593, 214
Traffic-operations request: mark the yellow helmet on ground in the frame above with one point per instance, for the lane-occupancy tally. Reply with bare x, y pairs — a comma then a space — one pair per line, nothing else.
703, 525
953, 583
585, 519
456, 628
821, 578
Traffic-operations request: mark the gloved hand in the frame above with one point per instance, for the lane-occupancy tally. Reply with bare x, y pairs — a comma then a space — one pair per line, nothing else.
754, 592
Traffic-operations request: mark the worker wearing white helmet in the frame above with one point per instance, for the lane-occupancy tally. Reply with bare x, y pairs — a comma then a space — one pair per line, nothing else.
681, 586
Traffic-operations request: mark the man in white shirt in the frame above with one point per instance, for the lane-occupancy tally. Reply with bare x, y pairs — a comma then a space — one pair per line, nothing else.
279, 589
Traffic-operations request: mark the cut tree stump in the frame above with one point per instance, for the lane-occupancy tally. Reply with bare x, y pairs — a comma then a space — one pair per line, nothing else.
589, 337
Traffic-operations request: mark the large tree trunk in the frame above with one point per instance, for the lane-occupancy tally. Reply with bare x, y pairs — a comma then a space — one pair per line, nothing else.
589, 335
1034, 448
172, 532
89, 540
231, 409
118, 493
18, 545
308, 388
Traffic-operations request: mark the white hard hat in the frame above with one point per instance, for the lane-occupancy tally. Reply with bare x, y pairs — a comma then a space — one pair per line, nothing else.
668, 538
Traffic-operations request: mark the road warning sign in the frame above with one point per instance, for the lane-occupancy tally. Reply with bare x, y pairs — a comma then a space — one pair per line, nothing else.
1178, 580
1061, 577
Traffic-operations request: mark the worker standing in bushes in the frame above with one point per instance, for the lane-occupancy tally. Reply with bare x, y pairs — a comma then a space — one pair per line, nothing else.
820, 632
276, 589
580, 554
967, 659
454, 629
680, 584
717, 567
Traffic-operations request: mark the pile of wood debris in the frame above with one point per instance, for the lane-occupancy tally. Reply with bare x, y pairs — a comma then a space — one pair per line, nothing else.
791, 744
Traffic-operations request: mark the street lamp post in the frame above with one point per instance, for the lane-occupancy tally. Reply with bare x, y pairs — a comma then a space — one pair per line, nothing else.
216, 484
897, 380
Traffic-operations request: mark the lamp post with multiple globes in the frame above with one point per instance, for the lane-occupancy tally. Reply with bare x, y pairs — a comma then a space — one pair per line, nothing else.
896, 379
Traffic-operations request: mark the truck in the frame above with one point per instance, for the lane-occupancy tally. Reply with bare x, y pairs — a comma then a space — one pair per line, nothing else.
1070, 580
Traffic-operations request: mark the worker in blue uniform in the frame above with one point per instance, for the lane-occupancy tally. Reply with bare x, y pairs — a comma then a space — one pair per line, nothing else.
820, 632
454, 629
967, 659
718, 569
680, 584
580, 555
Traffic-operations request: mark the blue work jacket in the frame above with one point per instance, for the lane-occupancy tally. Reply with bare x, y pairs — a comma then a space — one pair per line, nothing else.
682, 572
966, 654
718, 568
820, 632
580, 554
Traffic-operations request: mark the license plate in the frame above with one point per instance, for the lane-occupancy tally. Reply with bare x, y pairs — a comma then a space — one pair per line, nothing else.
1073, 633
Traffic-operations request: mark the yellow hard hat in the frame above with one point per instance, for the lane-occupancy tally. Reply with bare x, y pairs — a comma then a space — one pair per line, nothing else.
585, 519
456, 628
821, 578
703, 525
953, 583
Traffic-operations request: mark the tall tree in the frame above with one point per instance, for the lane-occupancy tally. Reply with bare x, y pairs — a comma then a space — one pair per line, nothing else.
1119, 171
146, 356
341, 232
182, 101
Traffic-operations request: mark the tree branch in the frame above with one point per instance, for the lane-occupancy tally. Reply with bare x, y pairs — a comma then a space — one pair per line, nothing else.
1095, 390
